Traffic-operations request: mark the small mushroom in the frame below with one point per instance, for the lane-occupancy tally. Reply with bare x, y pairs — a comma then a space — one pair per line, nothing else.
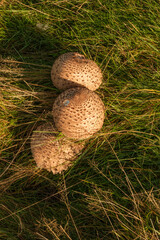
51, 152
78, 113
73, 69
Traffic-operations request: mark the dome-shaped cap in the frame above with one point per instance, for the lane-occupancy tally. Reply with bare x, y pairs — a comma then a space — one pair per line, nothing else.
73, 69
53, 153
78, 113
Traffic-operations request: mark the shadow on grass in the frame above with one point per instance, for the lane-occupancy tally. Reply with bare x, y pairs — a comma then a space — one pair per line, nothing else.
27, 54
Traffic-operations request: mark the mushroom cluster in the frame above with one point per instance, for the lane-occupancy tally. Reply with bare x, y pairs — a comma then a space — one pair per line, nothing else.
78, 113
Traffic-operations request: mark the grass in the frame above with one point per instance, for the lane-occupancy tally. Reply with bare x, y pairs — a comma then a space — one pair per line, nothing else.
113, 189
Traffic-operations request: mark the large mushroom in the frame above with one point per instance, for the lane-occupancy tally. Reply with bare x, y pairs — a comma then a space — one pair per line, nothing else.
51, 152
78, 113
73, 69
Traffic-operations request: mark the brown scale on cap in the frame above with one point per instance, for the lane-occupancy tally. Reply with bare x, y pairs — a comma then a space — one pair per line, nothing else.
51, 153
74, 70
78, 113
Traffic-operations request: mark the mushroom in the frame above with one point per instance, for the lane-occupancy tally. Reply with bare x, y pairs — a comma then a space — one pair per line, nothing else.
73, 69
78, 113
52, 152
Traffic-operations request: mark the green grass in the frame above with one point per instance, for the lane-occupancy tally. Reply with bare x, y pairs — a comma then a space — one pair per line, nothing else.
113, 189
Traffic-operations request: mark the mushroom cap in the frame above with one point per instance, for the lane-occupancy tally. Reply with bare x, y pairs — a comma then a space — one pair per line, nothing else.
74, 70
52, 153
78, 113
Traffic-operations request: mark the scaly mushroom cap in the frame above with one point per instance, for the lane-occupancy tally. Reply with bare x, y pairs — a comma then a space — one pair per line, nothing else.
78, 113
73, 69
51, 153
